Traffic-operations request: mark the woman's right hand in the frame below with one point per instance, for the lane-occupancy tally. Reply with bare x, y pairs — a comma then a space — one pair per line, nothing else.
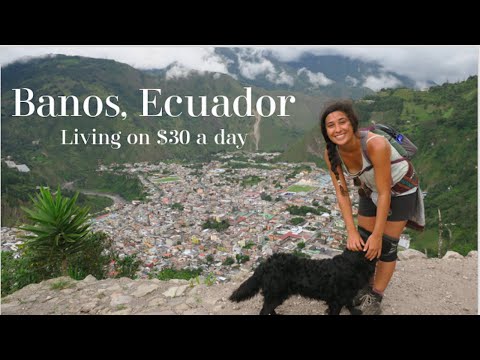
355, 241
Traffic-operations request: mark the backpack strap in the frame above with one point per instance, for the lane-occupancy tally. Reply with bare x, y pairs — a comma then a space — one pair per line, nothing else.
363, 141
409, 181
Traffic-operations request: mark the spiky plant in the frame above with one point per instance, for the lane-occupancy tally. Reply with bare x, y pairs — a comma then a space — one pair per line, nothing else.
60, 229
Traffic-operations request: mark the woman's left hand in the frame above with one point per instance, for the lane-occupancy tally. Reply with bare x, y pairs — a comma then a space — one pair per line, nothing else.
373, 247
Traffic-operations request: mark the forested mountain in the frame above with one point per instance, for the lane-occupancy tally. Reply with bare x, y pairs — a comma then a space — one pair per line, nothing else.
37, 141
82, 77
441, 121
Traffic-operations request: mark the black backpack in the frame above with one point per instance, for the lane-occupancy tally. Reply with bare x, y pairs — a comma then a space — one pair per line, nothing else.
405, 147
402, 144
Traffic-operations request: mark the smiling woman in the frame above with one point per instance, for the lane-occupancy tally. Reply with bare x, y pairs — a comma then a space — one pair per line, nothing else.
383, 212
199, 107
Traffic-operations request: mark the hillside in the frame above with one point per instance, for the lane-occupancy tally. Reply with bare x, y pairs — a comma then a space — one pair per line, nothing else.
419, 286
37, 141
82, 77
442, 122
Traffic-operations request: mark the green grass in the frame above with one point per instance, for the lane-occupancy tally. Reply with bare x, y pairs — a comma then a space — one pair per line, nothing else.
185, 274
448, 114
405, 94
420, 112
300, 188
61, 284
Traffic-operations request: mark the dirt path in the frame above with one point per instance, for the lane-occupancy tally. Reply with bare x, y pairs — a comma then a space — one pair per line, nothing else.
418, 287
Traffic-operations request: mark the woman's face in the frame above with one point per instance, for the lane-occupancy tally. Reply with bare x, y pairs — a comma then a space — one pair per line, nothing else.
339, 128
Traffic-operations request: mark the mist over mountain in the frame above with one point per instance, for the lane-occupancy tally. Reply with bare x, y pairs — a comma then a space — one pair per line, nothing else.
327, 75
312, 73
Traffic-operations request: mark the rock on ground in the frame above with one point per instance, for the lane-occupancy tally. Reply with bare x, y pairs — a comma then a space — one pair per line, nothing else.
419, 286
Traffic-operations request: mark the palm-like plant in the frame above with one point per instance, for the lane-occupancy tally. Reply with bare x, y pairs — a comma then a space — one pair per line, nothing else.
60, 228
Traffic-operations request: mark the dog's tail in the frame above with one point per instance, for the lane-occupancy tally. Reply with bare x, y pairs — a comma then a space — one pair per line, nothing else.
248, 288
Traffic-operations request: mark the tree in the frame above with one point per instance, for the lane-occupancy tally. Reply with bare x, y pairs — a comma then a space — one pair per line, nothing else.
177, 206
60, 229
265, 196
297, 220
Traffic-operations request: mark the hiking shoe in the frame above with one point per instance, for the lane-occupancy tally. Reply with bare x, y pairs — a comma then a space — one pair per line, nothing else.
357, 300
370, 304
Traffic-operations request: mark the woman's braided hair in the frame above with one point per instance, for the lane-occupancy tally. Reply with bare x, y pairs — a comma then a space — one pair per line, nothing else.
345, 106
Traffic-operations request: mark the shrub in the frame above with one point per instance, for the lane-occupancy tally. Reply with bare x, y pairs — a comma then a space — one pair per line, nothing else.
228, 261
242, 258
94, 258
17, 273
62, 245
127, 266
60, 229
177, 206
249, 245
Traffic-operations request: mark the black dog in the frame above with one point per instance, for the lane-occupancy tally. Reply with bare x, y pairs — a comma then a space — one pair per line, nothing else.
336, 280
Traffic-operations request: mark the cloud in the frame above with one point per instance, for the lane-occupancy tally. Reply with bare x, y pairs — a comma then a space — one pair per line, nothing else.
140, 57
316, 79
439, 63
281, 78
421, 63
384, 81
251, 70
251, 63
178, 71
350, 80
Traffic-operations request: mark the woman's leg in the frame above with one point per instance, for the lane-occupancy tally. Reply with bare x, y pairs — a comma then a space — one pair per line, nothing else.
384, 270
368, 223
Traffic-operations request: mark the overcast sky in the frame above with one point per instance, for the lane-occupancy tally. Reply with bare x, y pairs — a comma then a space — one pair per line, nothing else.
421, 63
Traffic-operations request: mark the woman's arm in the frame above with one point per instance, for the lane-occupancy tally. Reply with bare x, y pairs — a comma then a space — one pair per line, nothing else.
354, 241
379, 152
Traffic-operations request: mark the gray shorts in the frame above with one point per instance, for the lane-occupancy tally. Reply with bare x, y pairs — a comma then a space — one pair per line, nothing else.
401, 207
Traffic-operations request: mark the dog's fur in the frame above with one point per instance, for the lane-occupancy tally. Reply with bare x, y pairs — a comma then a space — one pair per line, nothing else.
336, 280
